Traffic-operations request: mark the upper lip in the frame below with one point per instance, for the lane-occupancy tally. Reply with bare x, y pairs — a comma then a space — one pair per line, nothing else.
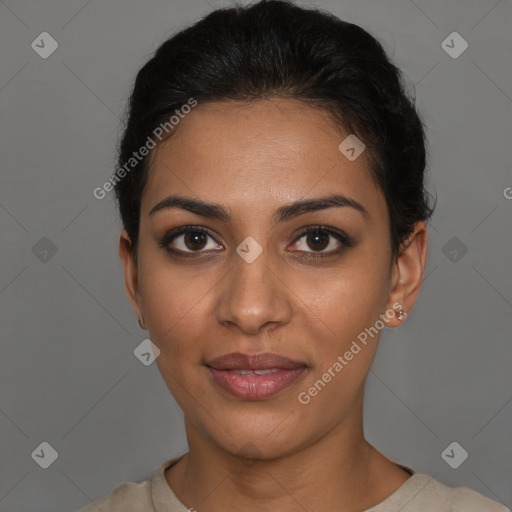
265, 361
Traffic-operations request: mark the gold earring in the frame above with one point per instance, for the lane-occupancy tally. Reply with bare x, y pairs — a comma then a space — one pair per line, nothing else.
141, 323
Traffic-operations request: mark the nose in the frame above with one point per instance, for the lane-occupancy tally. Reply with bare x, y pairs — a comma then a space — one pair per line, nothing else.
253, 297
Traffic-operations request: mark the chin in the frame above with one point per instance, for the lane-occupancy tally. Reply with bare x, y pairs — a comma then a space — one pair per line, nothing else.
263, 439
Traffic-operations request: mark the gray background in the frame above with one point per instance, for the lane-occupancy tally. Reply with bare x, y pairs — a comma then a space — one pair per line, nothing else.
68, 375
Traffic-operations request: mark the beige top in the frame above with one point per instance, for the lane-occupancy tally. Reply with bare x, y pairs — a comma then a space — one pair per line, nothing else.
420, 493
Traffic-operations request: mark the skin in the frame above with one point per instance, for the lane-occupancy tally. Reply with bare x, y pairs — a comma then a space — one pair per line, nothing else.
277, 453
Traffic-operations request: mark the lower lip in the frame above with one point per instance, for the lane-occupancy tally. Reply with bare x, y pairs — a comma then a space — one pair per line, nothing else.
255, 387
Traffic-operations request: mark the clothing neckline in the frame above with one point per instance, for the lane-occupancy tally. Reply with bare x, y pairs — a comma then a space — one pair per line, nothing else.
164, 499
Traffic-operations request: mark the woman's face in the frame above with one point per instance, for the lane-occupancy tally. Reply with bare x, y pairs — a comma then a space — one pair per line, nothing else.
252, 282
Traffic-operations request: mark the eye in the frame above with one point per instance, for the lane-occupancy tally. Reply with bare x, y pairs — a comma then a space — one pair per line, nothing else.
192, 241
188, 239
320, 239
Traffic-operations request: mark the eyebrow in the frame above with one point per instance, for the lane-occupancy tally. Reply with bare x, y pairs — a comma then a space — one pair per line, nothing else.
282, 214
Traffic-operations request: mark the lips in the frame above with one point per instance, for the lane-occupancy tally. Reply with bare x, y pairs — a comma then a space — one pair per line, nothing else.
265, 361
254, 377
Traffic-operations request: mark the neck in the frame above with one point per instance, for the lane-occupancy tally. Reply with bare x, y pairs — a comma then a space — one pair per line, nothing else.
338, 471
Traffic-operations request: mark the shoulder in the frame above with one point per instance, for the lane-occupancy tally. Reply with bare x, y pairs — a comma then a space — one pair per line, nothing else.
432, 494
150, 495
468, 500
128, 497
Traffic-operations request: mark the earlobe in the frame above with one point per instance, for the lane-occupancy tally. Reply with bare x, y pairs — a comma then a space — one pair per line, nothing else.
130, 273
408, 271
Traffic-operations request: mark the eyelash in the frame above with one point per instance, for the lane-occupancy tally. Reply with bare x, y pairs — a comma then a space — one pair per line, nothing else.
343, 238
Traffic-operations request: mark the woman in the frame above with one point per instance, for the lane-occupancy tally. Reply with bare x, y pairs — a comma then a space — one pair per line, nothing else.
271, 188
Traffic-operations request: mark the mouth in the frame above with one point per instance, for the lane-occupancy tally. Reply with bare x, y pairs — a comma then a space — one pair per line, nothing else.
255, 377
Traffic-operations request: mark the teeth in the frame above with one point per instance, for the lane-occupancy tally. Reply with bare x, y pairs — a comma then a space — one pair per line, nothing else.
265, 372
257, 372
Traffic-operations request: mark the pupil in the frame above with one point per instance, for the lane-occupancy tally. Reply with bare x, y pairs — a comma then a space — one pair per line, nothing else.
193, 238
313, 240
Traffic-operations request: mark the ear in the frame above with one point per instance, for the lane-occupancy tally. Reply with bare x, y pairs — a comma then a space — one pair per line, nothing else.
407, 273
131, 280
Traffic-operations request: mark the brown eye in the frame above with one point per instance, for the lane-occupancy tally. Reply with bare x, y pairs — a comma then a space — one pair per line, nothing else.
322, 240
194, 240
187, 240
317, 241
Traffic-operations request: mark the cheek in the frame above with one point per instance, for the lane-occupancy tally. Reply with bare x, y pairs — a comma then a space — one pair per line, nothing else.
174, 304
340, 317
346, 299
341, 324
175, 315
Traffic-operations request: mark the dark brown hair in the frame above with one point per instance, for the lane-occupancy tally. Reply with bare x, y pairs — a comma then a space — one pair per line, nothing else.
274, 48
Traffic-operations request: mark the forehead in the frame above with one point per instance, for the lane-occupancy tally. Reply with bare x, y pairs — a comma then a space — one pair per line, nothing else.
252, 153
